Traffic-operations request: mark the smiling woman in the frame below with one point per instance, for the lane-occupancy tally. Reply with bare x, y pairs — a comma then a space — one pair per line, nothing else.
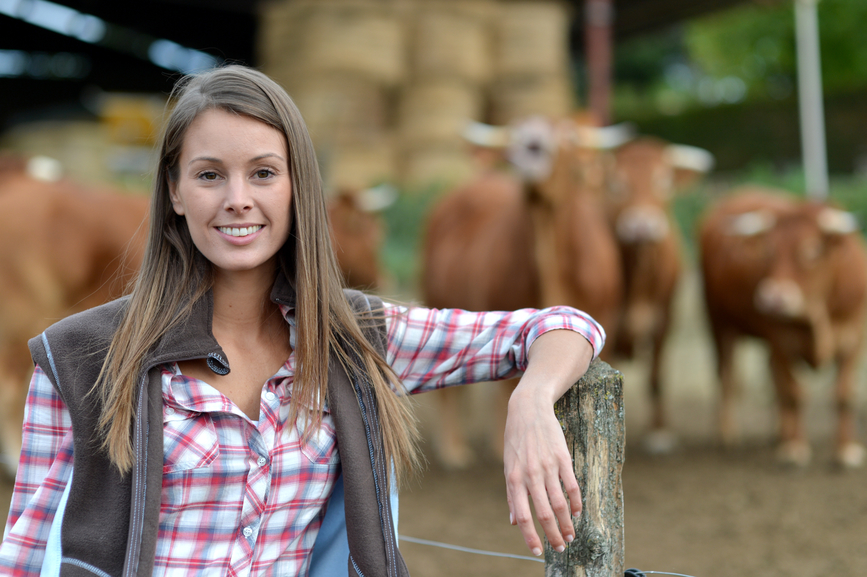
285, 460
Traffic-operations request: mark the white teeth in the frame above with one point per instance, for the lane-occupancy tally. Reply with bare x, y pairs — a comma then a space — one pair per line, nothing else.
234, 231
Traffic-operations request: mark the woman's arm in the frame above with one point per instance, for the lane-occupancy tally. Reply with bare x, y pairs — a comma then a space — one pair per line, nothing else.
435, 348
536, 457
43, 469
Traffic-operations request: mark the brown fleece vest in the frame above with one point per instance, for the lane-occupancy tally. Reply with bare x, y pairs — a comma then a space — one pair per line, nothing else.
111, 521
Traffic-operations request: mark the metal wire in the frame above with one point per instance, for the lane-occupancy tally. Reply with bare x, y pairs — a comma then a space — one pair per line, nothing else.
467, 549
506, 555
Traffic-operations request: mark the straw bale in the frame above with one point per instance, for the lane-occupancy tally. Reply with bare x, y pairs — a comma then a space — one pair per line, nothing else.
531, 38
547, 95
363, 37
453, 39
435, 165
436, 111
340, 108
359, 166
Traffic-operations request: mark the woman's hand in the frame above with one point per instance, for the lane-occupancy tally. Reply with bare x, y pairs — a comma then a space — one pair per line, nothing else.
536, 457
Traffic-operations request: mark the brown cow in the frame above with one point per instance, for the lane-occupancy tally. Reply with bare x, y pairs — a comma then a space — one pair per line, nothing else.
357, 233
647, 173
63, 248
504, 243
793, 273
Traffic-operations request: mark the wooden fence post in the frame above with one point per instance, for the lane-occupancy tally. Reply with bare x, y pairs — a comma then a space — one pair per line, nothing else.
591, 414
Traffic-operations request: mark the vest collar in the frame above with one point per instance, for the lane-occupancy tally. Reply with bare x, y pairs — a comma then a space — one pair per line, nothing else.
194, 337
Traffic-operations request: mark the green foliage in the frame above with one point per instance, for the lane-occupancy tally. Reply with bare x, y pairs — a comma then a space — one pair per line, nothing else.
757, 43
404, 223
747, 53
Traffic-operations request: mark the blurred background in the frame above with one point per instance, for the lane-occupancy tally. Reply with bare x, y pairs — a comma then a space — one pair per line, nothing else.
387, 87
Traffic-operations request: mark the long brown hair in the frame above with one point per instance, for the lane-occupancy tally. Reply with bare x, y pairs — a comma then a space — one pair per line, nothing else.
170, 280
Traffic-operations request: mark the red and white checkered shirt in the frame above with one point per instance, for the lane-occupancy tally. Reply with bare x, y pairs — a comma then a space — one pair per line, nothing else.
243, 497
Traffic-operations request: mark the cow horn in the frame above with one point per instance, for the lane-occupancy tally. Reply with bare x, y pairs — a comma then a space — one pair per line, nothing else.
44, 168
836, 221
752, 223
487, 135
376, 198
605, 137
689, 157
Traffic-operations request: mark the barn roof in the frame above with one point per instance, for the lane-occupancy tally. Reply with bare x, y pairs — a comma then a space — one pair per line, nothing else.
223, 28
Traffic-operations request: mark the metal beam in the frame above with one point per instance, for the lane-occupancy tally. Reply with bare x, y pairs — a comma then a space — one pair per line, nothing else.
815, 154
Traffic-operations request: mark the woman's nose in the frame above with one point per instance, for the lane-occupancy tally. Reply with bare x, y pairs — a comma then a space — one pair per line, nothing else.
238, 196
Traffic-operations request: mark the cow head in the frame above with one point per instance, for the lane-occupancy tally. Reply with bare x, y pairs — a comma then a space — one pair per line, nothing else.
646, 176
554, 157
357, 232
794, 255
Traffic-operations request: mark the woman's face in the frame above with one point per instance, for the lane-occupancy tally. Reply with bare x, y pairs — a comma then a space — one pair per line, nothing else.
234, 190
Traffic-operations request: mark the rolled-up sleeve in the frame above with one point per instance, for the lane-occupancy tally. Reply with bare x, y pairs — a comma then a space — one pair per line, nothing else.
434, 348
43, 470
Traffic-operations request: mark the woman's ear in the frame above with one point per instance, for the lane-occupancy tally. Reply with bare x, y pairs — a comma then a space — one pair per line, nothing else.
175, 198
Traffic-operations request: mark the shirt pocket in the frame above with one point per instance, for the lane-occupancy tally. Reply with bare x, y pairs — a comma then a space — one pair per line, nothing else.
321, 448
189, 440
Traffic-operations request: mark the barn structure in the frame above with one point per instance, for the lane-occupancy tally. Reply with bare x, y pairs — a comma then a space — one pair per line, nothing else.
385, 85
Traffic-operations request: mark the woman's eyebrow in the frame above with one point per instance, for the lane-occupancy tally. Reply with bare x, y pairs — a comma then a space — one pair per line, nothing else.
267, 155
205, 159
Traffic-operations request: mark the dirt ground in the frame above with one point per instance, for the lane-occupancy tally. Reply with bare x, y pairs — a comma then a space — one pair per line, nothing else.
701, 511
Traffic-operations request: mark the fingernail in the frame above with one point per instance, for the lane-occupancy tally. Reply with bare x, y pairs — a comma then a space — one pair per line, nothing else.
537, 551
561, 548
570, 538
511, 518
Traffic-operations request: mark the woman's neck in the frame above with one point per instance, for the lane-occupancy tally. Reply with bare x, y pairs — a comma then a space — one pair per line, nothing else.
242, 305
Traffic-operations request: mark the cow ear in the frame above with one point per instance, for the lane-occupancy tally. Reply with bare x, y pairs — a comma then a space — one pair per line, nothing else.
487, 135
689, 163
833, 221
376, 199
751, 223
604, 137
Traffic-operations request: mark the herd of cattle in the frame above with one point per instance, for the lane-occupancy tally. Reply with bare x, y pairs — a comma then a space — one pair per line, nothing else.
580, 217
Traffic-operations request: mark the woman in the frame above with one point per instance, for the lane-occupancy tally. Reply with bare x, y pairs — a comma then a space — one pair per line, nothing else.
147, 453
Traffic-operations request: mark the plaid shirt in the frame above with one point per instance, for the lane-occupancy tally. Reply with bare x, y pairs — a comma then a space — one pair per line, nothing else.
244, 497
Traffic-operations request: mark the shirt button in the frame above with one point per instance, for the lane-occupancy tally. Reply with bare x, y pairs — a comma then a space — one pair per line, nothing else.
247, 531
170, 411
261, 461
270, 396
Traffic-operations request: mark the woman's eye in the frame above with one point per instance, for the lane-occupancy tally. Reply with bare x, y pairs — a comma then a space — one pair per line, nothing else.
263, 173
208, 175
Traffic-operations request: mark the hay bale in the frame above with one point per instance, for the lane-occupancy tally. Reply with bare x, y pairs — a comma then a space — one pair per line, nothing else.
435, 112
340, 108
359, 166
453, 39
516, 98
531, 38
359, 37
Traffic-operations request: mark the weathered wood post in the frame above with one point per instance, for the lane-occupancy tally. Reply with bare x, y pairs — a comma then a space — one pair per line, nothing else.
591, 414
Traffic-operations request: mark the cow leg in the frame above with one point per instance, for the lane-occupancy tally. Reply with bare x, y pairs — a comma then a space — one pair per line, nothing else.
453, 450
501, 409
849, 453
660, 439
724, 342
794, 448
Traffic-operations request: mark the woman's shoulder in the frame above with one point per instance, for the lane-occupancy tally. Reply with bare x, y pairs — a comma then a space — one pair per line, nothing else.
92, 328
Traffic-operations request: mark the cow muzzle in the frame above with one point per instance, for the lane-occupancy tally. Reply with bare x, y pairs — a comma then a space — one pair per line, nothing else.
781, 298
637, 224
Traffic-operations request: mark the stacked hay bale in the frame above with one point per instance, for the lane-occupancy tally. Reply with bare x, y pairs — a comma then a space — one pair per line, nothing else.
449, 71
386, 85
531, 60
341, 61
